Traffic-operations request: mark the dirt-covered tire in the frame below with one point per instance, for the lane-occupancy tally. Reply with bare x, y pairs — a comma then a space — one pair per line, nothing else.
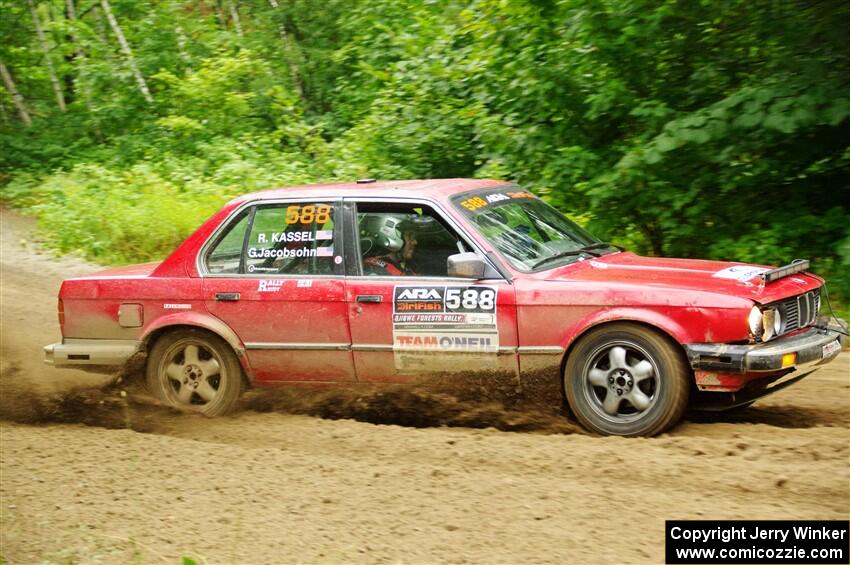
195, 370
628, 380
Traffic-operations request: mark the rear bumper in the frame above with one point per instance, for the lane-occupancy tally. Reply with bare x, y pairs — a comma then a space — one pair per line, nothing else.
90, 352
812, 347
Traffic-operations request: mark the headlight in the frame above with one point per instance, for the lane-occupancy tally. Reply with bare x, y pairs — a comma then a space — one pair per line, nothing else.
755, 322
764, 324
772, 323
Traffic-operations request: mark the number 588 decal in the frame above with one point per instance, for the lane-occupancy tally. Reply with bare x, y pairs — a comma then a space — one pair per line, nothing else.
447, 299
470, 299
320, 213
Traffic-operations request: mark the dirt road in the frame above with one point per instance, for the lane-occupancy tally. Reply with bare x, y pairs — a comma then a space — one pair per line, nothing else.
137, 483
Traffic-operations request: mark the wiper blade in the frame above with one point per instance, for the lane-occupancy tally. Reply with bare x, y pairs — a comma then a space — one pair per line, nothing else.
570, 253
586, 250
603, 245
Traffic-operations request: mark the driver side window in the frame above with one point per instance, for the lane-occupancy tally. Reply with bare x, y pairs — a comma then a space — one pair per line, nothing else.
404, 240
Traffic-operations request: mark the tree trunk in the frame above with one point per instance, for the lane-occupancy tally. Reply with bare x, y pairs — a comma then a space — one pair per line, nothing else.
17, 99
71, 57
655, 235
219, 12
290, 58
234, 15
51, 71
181, 48
125, 48
102, 27
81, 62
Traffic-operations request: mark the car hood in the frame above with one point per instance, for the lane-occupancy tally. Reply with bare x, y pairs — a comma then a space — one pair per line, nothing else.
721, 277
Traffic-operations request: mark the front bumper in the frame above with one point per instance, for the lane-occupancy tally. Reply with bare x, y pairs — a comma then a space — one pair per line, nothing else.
90, 353
813, 347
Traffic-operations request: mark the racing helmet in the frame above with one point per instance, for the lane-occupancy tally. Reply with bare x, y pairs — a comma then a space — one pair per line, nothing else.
384, 230
387, 230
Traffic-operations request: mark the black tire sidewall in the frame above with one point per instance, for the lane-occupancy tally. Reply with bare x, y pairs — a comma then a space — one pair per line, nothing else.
230, 385
672, 388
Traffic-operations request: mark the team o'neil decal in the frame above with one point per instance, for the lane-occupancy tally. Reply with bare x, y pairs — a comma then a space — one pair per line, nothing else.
445, 319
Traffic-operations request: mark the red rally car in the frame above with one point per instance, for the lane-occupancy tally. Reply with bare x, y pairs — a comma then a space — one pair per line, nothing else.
382, 282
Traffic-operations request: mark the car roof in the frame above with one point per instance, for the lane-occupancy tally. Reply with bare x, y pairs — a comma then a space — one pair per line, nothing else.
386, 189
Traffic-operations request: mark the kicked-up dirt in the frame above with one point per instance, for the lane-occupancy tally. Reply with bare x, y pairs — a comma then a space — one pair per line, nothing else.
97, 472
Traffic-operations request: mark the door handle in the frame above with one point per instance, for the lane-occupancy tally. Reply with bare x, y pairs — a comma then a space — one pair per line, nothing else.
227, 296
374, 298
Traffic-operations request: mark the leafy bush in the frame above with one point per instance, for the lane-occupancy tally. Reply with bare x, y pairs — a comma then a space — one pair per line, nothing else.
121, 216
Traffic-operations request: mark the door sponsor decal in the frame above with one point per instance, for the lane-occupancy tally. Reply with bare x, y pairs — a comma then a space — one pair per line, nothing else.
445, 319
269, 285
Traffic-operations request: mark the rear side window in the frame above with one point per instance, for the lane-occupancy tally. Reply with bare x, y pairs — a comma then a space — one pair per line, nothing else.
285, 239
295, 239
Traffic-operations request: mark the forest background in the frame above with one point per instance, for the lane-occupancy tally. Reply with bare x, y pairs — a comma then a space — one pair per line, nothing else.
694, 128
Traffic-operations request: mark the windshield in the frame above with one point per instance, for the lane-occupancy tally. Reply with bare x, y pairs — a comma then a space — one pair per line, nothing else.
529, 232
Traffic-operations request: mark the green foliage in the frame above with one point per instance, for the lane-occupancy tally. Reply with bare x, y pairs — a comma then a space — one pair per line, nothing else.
141, 212
697, 129
218, 98
120, 216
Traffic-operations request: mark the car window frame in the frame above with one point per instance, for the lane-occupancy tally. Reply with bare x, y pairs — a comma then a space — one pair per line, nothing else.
221, 230
352, 252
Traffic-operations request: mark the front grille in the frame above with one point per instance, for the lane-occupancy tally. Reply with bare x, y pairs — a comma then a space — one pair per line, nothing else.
799, 311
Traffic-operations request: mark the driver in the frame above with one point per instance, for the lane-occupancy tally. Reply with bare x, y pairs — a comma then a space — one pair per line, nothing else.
396, 235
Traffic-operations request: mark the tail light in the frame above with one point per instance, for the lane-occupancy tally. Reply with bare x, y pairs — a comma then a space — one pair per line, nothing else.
61, 313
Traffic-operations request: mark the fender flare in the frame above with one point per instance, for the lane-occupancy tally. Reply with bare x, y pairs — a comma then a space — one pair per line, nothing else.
204, 321
671, 328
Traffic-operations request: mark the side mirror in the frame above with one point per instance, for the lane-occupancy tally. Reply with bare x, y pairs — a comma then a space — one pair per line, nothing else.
467, 266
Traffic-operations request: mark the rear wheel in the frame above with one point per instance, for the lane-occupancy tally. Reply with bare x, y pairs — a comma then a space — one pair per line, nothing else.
195, 369
625, 379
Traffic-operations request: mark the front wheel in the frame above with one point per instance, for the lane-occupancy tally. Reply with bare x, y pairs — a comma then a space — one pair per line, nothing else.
628, 380
196, 370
